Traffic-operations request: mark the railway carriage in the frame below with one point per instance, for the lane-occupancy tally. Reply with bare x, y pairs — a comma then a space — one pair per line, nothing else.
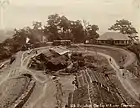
62, 42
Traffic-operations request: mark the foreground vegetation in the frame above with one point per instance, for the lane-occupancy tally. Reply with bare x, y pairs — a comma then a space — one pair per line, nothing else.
136, 49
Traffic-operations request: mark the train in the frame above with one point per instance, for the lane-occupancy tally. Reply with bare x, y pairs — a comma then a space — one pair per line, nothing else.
62, 42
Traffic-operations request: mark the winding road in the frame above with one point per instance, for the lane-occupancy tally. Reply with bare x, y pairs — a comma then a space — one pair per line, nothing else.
126, 81
18, 67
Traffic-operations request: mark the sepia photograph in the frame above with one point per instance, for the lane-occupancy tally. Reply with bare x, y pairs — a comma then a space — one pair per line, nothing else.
69, 53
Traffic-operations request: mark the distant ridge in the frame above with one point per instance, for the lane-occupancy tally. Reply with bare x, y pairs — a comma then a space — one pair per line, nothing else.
4, 34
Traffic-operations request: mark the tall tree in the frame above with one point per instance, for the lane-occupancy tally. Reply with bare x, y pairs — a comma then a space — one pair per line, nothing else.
85, 25
37, 30
92, 32
37, 25
77, 30
58, 27
125, 27
65, 26
52, 27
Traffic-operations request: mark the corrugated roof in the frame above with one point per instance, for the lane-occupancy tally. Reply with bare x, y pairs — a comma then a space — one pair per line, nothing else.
47, 54
59, 50
114, 36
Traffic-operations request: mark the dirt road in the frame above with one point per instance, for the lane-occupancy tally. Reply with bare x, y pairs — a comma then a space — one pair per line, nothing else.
46, 92
38, 97
14, 69
115, 52
124, 81
43, 95
129, 81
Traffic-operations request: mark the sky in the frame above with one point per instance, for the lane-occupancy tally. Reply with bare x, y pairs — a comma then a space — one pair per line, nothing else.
104, 13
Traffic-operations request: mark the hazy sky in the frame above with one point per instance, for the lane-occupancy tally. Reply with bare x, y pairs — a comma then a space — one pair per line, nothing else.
104, 13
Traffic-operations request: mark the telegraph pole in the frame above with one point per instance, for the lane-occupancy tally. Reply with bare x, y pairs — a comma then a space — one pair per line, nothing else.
3, 4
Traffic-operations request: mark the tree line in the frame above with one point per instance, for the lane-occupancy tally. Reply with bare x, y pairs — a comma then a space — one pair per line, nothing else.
59, 27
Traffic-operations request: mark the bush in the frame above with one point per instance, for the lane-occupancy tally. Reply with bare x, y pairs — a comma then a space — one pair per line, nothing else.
136, 49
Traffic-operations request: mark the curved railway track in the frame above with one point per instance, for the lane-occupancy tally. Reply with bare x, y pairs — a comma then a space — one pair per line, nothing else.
90, 76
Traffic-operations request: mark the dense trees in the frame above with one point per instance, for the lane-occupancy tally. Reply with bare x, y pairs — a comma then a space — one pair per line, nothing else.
77, 31
18, 40
92, 32
60, 27
37, 25
57, 27
125, 27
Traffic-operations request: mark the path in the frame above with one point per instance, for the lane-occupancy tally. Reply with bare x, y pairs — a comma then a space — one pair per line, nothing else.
14, 68
46, 96
131, 57
18, 67
124, 81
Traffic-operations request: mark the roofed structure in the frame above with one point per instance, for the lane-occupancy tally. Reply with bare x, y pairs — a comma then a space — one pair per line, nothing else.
114, 36
59, 50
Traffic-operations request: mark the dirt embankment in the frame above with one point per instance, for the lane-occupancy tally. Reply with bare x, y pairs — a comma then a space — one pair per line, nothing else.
64, 87
101, 79
60, 90
13, 89
24, 97
123, 57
